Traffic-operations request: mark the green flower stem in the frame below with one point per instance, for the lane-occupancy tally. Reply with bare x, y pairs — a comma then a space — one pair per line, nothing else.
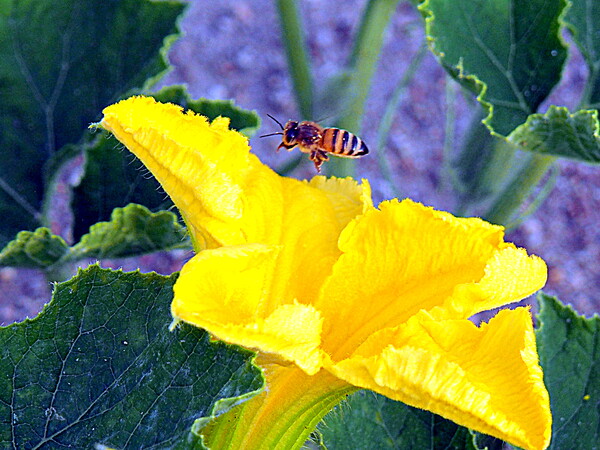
483, 166
298, 61
544, 191
519, 188
281, 417
362, 65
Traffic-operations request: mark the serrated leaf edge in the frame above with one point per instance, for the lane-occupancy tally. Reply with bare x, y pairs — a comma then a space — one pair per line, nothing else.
481, 85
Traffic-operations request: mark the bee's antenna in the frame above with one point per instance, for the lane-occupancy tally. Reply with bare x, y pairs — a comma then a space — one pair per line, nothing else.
278, 122
271, 134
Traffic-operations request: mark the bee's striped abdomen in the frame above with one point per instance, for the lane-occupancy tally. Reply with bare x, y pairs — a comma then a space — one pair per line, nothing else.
343, 143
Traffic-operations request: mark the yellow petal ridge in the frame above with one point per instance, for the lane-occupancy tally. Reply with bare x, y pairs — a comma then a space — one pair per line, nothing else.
202, 166
396, 261
487, 378
349, 199
510, 275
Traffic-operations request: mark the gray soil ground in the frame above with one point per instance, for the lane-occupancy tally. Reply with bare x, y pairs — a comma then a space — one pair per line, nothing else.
232, 49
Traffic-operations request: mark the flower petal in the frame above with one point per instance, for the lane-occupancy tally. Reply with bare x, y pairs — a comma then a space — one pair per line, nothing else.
406, 257
486, 378
349, 199
510, 275
223, 291
190, 158
227, 197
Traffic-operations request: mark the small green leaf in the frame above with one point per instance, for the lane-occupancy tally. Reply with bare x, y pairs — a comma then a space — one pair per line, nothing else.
372, 421
583, 19
61, 62
112, 176
509, 52
37, 249
559, 133
132, 231
242, 120
99, 366
569, 349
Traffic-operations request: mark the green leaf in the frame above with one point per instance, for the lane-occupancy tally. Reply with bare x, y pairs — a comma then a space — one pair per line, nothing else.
99, 366
98, 194
484, 441
559, 133
242, 120
61, 62
132, 231
583, 19
569, 349
37, 249
509, 52
372, 421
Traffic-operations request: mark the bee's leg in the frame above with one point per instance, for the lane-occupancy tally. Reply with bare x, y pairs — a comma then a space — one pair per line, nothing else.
318, 157
314, 158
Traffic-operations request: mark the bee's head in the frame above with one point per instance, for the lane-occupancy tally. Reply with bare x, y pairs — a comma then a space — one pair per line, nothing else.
290, 134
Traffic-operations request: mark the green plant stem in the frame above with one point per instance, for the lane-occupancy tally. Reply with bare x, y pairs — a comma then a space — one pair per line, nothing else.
589, 89
483, 166
298, 61
449, 175
388, 118
362, 65
545, 191
514, 194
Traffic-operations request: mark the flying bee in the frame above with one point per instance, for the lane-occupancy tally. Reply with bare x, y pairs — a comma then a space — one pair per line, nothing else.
318, 141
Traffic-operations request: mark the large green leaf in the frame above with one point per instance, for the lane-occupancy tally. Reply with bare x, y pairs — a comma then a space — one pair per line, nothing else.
61, 62
583, 18
372, 421
569, 349
100, 366
559, 133
112, 175
508, 51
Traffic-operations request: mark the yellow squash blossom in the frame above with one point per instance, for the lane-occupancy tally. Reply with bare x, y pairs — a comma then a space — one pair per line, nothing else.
335, 294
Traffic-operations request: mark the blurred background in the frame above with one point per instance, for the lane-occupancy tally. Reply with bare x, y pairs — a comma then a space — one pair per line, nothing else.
232, 49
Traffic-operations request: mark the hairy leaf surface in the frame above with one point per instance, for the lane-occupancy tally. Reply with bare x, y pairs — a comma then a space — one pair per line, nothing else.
569, 349
100, 366
372, 421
